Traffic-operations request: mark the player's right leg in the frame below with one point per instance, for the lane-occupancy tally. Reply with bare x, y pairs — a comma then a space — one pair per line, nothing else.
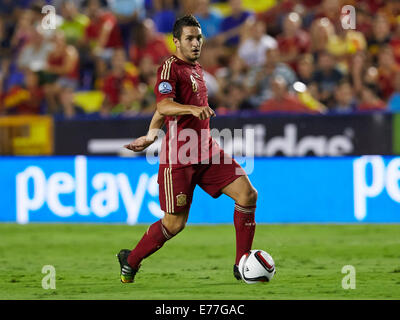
154, 238
175, 194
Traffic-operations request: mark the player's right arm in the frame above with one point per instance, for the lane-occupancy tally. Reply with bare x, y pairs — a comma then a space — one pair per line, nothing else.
168, 107
143, 142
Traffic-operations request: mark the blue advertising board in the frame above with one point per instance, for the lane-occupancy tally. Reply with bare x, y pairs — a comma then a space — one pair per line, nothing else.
84, 189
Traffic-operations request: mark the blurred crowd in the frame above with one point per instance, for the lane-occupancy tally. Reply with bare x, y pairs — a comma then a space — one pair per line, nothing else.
258, 56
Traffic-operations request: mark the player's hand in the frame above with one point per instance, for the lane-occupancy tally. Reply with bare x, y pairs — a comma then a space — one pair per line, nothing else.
139, 144
203, 112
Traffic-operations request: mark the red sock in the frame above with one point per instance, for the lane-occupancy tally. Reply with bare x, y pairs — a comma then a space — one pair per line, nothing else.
151, 241
245, 227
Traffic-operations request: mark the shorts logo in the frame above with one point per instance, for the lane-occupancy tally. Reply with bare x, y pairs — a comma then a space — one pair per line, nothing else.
181, 200
165, 87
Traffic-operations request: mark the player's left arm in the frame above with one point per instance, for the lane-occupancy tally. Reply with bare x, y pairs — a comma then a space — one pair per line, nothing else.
143, 142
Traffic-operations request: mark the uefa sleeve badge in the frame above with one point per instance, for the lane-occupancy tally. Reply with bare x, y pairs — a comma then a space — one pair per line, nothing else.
165, 87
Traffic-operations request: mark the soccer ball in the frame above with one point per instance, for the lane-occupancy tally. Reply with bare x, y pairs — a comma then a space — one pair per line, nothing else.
256, 266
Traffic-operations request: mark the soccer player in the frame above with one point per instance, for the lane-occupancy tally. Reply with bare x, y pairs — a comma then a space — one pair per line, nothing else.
182, 105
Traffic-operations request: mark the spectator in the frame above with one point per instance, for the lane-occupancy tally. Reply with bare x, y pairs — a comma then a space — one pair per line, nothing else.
231, 26
364, 19
147, 67
392, 12
22, 32
102, 37
345, 99
164, 16
128, 102
371, 79
283, 101
326, 77
380, 36
346, 43
129, 15
305, 68
395, 41
23, 99
211, 56
262, 89
185, 7
61, 73
212, 87
209, 19
370, 100
253, 49
74, 23
236, 72
34, 54
149, 43
321, 31
5, 39
375, 5
8, 11
274, 16
102, 34
127, 11
5, 55
119, 77
293, 41
234, 99
357, 71
331, 10
387, 69
148, 80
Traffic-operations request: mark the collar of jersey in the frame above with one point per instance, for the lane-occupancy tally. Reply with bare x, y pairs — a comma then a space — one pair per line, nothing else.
184, 62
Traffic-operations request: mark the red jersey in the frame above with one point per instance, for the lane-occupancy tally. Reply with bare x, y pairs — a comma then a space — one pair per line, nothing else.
188, 140
54, 60
113, 85
92, 31
288, 104
156, 49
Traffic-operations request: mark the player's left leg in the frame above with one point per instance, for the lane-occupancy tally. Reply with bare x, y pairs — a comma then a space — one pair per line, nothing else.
245, 196
228, 177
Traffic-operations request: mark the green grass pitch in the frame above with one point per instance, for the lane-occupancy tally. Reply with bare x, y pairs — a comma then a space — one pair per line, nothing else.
197, 264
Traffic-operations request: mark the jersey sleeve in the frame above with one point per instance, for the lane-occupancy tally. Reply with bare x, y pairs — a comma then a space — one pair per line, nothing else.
166, 81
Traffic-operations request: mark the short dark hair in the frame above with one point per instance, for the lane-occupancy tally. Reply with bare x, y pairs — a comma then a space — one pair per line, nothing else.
185, 21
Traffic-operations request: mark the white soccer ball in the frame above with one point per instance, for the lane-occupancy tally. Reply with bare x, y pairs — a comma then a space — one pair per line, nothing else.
256, 266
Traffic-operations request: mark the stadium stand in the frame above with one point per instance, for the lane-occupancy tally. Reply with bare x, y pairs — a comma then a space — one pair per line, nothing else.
102, 57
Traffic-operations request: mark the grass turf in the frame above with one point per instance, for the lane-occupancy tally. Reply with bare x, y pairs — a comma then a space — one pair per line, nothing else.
197, 264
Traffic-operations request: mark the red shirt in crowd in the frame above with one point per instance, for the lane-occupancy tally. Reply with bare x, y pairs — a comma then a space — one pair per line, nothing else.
92, 31
113, 85
58, 61
372, 106
288, 104
156, 49
20, 100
